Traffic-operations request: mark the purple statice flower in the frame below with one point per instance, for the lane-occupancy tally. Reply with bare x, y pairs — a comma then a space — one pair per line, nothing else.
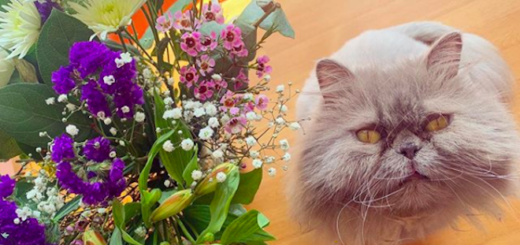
93, 192
63, 81
126, 98
28, 231
116, 73
97, 149
96, 100
88, 57
45, 8
62, 148
6, 186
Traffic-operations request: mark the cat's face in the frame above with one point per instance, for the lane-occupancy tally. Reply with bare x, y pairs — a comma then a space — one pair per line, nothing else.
408, 137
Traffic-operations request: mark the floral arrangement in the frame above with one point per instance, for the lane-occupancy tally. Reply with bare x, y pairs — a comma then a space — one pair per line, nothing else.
137, 137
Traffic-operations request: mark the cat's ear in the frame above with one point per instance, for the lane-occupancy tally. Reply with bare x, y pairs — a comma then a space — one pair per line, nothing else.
329, 73
444, 56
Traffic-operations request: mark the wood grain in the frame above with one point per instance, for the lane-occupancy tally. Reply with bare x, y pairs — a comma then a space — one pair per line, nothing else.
322, 27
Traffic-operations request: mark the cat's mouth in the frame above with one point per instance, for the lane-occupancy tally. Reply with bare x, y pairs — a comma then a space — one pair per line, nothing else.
415, 176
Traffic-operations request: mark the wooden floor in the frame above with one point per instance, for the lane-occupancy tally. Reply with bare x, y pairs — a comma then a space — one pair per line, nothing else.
322, 26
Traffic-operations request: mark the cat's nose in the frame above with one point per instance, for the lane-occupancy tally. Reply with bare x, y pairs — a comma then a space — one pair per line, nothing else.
409, 149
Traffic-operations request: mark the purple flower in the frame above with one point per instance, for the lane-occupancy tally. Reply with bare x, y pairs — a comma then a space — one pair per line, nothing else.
97, 149
183, 21
62, 148
235, 125
88, 57
93, 192
27, 232
206, 64
239, 51
212, 14
204, 91
232, 36
63, 81
126, 98
241, 81
165, 23
262, 67
45, 8
6, 186
189, 76
208, 42
96, 100
190, 43
262, 102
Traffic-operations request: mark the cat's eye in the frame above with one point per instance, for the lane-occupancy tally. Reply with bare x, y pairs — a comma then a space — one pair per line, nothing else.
369, 136
437, 122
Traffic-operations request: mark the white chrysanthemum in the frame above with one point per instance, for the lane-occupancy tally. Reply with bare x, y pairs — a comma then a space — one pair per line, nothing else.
106, 16
6, 68
20, 26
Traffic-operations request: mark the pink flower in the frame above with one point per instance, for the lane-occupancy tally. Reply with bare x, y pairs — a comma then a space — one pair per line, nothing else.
229, 101
236, 124
262, 102
208, 42
190, 43
164, 23
205, 64
241, 81
189, 75
183, 21
232, 36
220, 85
213, 13
240, 51
262, 67
204, 91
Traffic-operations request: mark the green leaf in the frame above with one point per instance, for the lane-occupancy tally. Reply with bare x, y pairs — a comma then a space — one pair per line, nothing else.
128, 238
9, 148
192, 166
148, 199
276, 20
208, 27
175, 162
243, 228
58, 34
220, 205
154, 238
118, 213
116, 238
24, 113
147, 39
249, 185
68, 208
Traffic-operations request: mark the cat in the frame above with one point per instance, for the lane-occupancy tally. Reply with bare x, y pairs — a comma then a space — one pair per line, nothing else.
409, 130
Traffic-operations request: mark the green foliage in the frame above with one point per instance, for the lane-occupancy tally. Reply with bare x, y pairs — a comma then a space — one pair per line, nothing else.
175, 162
244, 227
120, 213
68, 208
9, 148
219, 207
192, 166
249, 185
24, 113
277, 21
58, 34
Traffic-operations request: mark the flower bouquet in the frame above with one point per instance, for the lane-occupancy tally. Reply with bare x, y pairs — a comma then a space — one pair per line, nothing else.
126, 136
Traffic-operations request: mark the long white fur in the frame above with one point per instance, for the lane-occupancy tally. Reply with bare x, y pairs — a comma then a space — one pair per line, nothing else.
362, 222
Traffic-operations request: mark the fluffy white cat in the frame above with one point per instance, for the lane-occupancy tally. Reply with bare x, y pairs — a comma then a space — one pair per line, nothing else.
410, 130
